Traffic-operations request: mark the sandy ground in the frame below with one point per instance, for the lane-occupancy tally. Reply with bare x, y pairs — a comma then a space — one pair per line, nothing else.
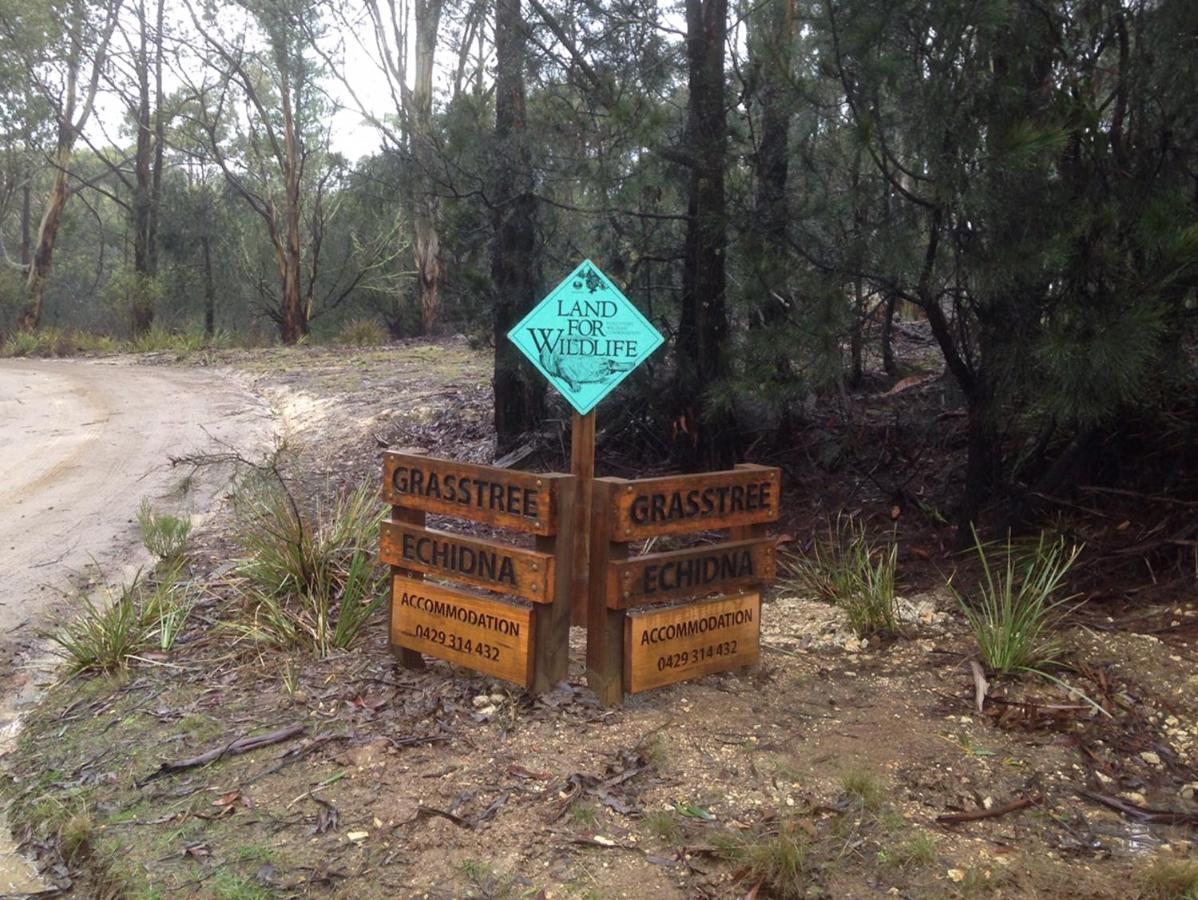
81, 443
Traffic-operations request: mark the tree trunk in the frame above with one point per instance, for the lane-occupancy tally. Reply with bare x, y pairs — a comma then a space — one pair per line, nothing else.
888, 363
519, 391
209, 287
47, 233
704, 437
26, 219
143, 305
294, 319
425, 205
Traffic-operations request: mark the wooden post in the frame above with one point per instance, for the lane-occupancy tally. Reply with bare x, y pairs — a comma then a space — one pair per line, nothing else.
582, 467
551, 624
605, 627
408, 658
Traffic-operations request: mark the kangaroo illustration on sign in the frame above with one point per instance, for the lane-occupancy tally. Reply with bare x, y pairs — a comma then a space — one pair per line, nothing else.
576, 371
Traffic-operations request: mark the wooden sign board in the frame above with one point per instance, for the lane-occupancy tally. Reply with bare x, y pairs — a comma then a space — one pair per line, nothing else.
520, 500
486, 564
480, 633
684, 642
692, 572
746, 495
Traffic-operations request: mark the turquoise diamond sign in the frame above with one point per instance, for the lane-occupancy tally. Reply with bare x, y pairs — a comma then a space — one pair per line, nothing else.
585, 337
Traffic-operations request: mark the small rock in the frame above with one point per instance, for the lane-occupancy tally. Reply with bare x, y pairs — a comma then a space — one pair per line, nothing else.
1187, 792
1134, 797
486, 710
1104, 779
956, 875
1151, 758
480, 701
497, 698
357, 836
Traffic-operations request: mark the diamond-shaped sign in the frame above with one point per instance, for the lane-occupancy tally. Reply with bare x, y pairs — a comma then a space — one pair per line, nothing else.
585, 337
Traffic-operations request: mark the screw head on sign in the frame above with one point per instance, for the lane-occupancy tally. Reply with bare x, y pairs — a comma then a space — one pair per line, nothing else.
539, 482
538, 524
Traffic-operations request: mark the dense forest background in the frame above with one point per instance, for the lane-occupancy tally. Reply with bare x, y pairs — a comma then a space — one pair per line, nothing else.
779, 185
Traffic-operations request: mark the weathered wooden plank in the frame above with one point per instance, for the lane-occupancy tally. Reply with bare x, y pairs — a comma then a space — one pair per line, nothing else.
408, 658
474, 631
486, 564
683, 642
520, 500
605, 627
551, 627
742, 496
696, 571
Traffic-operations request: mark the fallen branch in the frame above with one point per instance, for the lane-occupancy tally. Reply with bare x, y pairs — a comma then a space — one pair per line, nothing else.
1143, 813
992, 813
237, 747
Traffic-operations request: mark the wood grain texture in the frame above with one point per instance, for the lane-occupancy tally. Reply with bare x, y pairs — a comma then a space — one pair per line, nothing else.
487, 564
582, 467
605, 627
551, 627
684, 642
474, 631
520, 500
677, 504
694, 572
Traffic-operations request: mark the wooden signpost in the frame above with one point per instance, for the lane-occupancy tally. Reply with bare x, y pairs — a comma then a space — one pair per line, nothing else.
648, 648
512, 621
500, 636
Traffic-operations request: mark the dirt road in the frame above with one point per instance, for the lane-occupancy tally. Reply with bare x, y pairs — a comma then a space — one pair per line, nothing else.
81, 443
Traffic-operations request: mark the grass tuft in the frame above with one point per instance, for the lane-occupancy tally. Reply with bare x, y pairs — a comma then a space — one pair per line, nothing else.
1015, 611
313, 581
845, 568
164, 536
780, 861
663, 824
362, 333
864, 789
105, 635
1170, 879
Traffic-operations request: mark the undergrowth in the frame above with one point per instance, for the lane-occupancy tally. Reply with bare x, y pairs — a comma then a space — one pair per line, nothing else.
164, 535
845, 568
312, 581
107, 632
1016, 607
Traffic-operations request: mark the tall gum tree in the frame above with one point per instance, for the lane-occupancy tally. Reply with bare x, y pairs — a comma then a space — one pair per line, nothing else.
63, 49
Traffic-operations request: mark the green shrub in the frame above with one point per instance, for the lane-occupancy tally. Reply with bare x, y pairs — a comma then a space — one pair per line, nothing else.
164, 340
848, 570
362, 333
164, 536
1015, 610
44, 342
313, 581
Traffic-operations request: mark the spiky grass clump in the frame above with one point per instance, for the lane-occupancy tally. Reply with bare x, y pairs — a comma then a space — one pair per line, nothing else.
1170, 879
163, 535
845, 568
779, 860
362, 333
313, 582
107, 633
1016, 608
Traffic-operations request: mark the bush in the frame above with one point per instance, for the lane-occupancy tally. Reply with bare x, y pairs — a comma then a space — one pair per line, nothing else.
362, 333
163, 340
45, 342
1171, 879
846, 569
1015, 611
164, 536
313, 581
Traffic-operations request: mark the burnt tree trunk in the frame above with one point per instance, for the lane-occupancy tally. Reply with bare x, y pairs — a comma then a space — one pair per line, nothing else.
519, 391
704, 436
209, 287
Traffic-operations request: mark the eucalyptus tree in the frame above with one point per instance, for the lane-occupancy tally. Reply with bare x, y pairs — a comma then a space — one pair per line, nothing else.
62, 50
264, 93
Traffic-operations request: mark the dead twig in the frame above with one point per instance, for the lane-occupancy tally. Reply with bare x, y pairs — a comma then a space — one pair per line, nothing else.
993, 812
980, 684
239, 746
1143, 813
